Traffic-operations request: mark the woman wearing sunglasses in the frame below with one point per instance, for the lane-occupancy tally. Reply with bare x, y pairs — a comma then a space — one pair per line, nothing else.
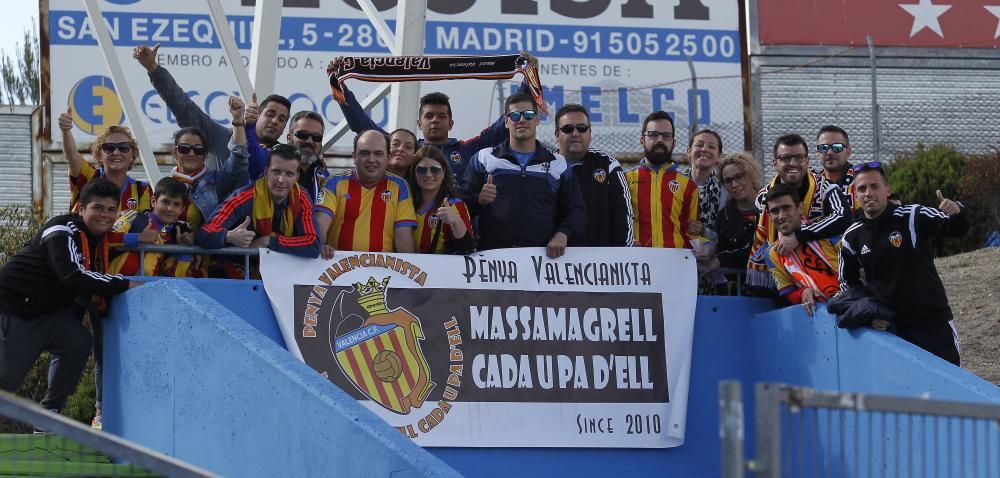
206, 189
114, 151
444, 225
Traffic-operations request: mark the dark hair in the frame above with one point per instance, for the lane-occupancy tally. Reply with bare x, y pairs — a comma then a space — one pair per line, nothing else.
404, 130
380, 133
286, 151
99, 188
656, 116
428, 151
308, 114
519, 97
790, 140
435, 98
280, 99
570, 108
782, 190
706, 131
834, 129
189, 130
170, 186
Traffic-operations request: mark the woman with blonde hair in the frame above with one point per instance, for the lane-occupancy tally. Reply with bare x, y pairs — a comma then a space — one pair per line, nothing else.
444, 225
740, 176
115, 151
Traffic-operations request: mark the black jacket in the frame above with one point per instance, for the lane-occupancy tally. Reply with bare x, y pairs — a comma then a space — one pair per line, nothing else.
609, 203
895, 250
856, 307
533, 202
735, 237
49, 274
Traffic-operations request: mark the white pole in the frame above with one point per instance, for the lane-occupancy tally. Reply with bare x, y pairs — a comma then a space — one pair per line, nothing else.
342, 128
225, 36
124, 93
411, 16
264, 51
380, 26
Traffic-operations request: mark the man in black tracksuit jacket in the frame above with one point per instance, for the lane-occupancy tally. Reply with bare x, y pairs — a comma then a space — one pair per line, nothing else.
522, 194
894, 246
602, 181
46, 288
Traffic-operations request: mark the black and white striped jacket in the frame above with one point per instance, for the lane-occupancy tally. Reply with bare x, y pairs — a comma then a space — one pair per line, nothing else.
49, 273
895, 251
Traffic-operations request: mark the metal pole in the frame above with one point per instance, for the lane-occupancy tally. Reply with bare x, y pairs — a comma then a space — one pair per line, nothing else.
342, 128
876, 123
411, 16
731, 428
225, 36
381, 28
694, 89
125, 95
264, 50
767, 437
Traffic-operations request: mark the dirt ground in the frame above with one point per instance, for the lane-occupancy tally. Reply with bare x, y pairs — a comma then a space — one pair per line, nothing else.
973, 284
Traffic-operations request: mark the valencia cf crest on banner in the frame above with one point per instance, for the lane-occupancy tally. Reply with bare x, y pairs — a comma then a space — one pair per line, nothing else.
382, 357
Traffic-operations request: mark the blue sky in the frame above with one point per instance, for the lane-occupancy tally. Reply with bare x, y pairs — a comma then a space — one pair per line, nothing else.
17, 16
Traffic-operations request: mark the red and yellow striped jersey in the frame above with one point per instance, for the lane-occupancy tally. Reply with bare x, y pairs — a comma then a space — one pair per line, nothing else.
134, 195
427, 223
664, 201
365, 219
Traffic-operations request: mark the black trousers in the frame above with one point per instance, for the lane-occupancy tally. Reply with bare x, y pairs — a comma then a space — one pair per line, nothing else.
62, 335
940, 340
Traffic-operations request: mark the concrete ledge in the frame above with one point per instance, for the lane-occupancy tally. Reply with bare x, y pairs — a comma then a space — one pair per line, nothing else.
185, 376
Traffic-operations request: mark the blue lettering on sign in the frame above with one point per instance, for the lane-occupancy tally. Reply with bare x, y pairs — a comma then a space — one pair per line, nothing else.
442, 38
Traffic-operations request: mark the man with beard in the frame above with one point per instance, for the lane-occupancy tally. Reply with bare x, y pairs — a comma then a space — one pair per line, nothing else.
809, 273
602, 181
664, 201
306, 132
522, 194
892, 246
366, 209
833, 150
823, 210
273, 111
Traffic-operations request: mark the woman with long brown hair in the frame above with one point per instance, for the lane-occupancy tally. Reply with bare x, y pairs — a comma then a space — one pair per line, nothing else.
444, 225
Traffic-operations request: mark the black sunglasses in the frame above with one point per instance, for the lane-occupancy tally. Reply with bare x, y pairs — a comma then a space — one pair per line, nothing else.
109, 148
835, 147
867, 166
434, 170
528, 115
580, 128
304, 135
184, 148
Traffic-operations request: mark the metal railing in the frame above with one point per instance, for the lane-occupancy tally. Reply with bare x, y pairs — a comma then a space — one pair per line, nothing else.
804, 432
68, 448
142, 249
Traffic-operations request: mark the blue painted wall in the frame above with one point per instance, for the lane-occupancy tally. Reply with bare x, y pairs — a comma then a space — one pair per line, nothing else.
185, 376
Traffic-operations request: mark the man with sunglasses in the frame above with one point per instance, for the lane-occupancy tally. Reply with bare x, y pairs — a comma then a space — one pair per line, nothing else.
833, 150
893, 246
602, 181
664, 201
522, 194
435, 122
823, 209
306, 132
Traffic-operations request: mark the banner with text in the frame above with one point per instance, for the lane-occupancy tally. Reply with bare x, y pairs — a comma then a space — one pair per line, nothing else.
500, 349
620, 60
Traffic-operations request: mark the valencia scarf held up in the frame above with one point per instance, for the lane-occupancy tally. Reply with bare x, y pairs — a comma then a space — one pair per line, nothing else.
419, 68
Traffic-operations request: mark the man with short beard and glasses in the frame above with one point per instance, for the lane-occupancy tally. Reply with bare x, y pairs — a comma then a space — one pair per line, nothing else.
833, 150
306, 132
664, 201
823, 209
602, 181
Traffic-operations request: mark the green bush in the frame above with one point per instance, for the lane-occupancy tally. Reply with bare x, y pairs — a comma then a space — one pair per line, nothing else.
18, 224
981, 189
917, 177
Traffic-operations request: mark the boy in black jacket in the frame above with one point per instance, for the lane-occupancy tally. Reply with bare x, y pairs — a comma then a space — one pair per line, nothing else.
893, 244
47, 287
